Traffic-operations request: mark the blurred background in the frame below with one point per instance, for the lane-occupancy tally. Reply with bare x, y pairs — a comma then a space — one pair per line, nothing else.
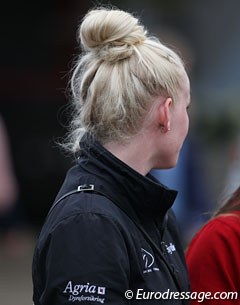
38, 48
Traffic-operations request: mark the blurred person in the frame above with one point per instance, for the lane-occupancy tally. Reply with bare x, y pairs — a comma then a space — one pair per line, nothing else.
111, 228
11, 215
8, 183
213, 254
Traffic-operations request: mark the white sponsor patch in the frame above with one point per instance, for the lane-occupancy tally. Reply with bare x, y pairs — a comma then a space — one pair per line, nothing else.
84, 292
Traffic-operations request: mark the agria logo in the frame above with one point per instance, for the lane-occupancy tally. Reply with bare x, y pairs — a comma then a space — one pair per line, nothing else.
85, 292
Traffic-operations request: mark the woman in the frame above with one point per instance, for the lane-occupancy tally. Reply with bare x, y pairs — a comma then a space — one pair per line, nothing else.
111, 229
213, 256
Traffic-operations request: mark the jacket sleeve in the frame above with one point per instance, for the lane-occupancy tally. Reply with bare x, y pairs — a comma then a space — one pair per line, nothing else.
86, 261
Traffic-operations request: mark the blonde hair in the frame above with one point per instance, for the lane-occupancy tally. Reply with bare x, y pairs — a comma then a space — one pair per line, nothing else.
116, 78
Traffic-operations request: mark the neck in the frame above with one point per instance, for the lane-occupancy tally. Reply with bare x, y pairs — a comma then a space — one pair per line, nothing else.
134, 153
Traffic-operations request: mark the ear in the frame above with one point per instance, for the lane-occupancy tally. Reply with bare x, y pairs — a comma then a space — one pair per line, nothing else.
164, 115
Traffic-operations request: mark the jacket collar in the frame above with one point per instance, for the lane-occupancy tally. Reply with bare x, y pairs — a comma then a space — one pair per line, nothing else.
147, 197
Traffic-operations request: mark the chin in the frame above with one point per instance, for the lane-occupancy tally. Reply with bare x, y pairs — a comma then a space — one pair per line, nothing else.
167, 164
171, 164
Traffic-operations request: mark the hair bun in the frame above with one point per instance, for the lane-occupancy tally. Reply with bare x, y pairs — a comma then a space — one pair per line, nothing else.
112, 33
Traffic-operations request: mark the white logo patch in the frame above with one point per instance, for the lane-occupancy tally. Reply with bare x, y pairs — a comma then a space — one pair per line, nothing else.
171, 248
148, 260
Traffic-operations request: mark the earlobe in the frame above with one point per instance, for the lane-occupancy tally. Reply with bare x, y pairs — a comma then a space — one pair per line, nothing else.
165, 128
164, 115
168, 126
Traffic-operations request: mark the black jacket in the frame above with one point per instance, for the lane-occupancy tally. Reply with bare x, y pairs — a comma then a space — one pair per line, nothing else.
93, 246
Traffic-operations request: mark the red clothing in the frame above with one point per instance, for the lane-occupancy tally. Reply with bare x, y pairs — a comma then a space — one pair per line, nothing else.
213, 258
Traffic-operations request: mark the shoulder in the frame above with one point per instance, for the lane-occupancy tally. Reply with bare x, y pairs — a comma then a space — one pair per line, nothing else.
71, 201
214, 254
219, 234
222, 225
83, 205
87, 214
231, 220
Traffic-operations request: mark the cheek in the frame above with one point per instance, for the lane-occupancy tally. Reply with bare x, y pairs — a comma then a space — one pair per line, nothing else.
185, 123
181, 124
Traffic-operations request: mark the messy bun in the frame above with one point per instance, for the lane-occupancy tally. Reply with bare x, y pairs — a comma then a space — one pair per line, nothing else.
118, 75
111, 34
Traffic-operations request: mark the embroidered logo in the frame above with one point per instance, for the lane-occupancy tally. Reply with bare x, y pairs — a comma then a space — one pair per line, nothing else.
85, 292
171, 248
101, 290
148, 260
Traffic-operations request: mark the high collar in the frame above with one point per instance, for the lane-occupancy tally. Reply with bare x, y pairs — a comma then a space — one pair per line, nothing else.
146, 195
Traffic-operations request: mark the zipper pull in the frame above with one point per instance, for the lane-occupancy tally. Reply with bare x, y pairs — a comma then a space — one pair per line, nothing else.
163, 247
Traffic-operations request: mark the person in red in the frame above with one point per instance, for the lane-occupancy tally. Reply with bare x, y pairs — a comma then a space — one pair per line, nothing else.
213, 256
